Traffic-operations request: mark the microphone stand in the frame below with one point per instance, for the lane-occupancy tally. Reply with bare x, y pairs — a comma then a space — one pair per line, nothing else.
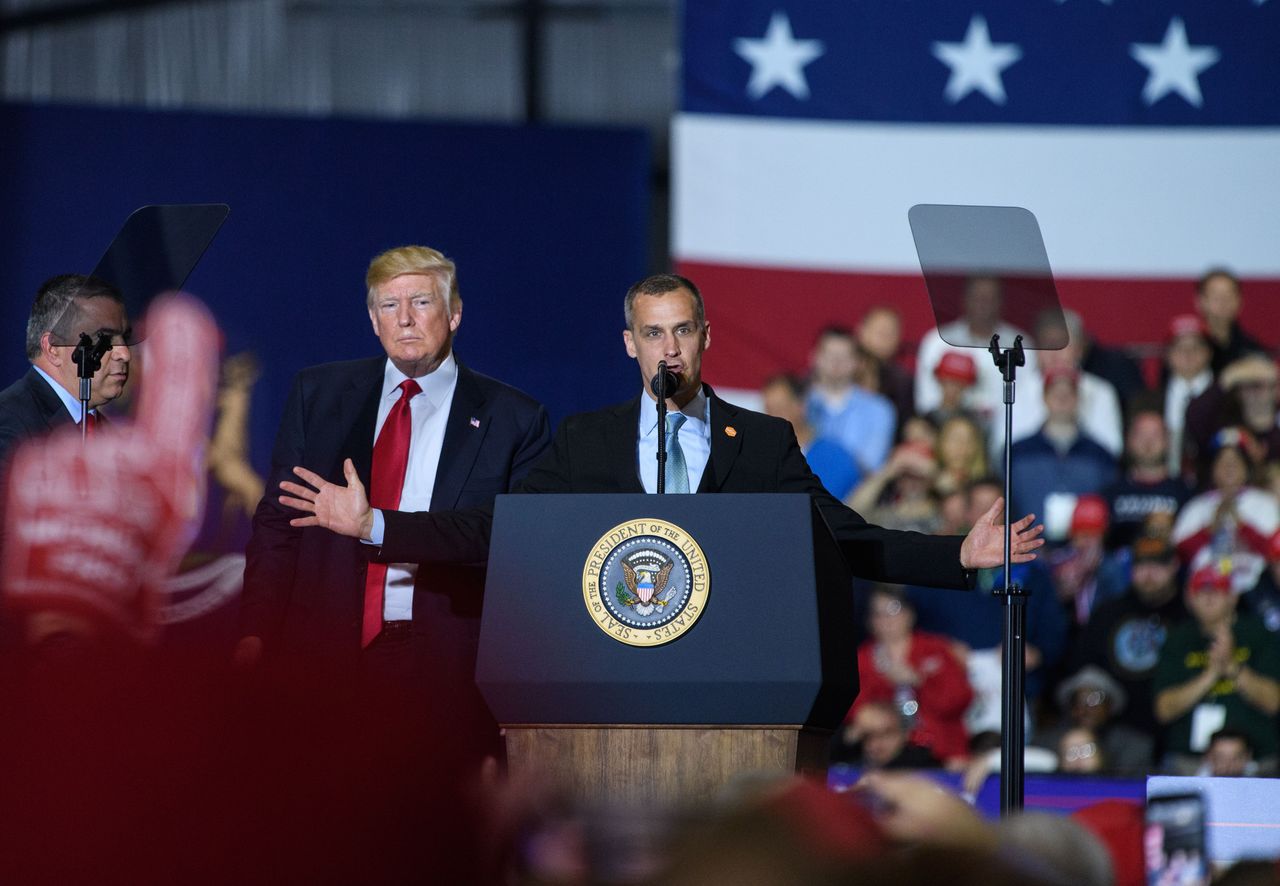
88, 359
659, 385
1013, 664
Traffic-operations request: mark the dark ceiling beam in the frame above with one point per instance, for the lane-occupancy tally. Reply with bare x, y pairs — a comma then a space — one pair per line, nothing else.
73, 13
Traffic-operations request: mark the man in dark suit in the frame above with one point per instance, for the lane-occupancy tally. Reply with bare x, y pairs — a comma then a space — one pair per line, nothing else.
47, 397
723, 448
308, 596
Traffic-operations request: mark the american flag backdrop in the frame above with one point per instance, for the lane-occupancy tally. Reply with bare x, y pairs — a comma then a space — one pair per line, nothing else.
1144, 135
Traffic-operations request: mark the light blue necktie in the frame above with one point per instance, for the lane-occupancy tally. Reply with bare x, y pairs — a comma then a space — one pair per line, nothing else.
677, 470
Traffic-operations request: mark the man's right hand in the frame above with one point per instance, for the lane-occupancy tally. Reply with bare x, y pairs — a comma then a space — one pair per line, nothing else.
341, 509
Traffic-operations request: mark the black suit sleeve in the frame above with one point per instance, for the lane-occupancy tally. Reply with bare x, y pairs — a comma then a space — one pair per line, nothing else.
873, 552
271, 557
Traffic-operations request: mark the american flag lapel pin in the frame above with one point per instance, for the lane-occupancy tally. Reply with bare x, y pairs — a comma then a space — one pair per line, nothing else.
475, 422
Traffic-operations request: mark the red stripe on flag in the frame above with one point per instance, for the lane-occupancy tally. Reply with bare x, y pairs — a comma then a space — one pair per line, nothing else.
764, 320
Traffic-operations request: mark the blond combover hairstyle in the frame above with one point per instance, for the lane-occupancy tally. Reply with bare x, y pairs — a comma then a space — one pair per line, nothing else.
413, 260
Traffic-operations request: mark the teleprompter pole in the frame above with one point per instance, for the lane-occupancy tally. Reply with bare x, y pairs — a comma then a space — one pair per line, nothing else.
1013, 663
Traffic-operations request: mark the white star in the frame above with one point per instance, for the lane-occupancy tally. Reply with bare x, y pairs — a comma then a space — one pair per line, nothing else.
1174, 65
778, 59
976, 63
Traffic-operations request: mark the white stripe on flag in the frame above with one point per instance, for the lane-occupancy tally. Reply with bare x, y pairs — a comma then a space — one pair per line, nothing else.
1111, 201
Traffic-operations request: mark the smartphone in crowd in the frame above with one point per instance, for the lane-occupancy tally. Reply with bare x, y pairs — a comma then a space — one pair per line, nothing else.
1174, 841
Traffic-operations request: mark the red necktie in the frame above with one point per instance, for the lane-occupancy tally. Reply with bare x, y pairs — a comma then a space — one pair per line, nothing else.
390, 458
91, 424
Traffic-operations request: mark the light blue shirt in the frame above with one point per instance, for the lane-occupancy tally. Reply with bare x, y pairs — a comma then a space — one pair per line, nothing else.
862, 422
72, 403
695, 441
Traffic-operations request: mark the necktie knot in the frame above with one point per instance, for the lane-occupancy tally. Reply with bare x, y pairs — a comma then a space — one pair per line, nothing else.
409, 388
675, 420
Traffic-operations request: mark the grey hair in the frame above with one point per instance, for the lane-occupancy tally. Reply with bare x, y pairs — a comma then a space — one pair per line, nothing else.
55, 297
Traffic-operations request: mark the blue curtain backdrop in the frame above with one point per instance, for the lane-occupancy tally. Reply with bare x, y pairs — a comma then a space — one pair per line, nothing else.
548, 227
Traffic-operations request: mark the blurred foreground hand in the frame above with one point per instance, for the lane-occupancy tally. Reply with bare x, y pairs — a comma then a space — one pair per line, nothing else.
92, 531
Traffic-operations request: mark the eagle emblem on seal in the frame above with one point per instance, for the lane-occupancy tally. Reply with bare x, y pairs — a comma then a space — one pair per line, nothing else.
647, 583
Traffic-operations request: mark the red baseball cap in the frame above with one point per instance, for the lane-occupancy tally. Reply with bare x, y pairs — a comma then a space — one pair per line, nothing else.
956, 367
1187, 324
1065, 374
1091, 516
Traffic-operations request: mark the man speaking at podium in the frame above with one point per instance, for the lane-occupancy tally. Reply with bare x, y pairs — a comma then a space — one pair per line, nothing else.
713, 446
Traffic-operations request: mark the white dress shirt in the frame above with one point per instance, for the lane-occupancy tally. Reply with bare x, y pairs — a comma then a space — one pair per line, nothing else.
430, 411
1178, 394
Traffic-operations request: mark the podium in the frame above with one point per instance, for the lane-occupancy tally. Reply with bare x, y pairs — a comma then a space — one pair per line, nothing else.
617, 706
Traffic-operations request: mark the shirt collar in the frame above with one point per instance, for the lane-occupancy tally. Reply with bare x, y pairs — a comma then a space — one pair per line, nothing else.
695, 412
435, 385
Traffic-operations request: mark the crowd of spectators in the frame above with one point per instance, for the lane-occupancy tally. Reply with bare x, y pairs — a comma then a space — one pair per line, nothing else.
1151, 642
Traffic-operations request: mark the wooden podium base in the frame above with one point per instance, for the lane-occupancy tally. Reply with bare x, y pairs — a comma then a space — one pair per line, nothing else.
659, 766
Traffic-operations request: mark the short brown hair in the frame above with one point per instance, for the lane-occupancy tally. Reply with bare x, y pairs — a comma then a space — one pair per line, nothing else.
661, 284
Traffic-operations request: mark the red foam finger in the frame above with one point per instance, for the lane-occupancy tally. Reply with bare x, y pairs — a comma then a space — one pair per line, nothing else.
96, 530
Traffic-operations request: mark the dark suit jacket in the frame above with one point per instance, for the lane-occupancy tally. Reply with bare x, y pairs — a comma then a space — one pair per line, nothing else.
304, 588
750, 452
28, 408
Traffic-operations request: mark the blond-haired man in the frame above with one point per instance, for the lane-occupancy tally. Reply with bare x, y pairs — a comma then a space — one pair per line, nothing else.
462, 439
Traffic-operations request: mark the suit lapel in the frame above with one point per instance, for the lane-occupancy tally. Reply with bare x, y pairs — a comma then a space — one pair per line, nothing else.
726, 442
358, 412
464, 431
620, 446
49, 405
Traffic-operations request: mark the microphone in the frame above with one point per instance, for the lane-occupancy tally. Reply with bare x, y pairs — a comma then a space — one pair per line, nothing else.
665, 382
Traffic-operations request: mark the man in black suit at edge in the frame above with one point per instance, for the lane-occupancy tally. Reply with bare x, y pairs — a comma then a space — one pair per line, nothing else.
48, 396
314, 599
727, 449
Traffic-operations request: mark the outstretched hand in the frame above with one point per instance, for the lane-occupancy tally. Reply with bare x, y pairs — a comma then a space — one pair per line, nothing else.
341, 509
984, 545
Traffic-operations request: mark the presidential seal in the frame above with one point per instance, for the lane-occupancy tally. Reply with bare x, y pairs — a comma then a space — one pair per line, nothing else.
645, 582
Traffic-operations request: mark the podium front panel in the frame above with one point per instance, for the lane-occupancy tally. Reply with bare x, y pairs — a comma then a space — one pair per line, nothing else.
778, 610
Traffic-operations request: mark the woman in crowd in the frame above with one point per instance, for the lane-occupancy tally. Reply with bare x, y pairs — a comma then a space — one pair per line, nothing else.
918, 674
961, 453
